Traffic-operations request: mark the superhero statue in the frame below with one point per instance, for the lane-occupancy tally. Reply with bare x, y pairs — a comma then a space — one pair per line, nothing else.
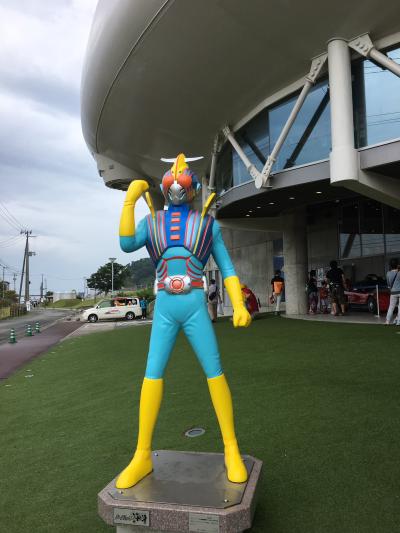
180, 241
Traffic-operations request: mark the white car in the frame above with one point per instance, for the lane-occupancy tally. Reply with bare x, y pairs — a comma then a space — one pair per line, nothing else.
128, 308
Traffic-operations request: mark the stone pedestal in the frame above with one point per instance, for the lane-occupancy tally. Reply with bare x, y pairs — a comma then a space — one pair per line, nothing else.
186, 492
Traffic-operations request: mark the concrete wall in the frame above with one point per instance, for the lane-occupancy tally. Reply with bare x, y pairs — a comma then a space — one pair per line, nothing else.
252, 256
322, 239
64, 296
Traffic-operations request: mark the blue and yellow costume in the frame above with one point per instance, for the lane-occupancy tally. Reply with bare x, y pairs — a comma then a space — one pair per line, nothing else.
180, 241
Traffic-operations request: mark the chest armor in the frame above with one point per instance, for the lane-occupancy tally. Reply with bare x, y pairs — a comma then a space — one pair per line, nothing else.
179, 227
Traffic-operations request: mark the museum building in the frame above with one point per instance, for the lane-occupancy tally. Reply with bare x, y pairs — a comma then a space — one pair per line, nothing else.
296, 112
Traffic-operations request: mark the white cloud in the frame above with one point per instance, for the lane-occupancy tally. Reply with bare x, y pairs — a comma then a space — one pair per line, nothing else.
48, 179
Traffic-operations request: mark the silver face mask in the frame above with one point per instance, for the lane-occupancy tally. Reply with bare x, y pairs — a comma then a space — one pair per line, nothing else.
177, 194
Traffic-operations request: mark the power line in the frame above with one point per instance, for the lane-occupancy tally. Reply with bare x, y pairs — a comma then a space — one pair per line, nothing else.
11, 216
49, 276
11, 242
8, 267
8, 239
9, 221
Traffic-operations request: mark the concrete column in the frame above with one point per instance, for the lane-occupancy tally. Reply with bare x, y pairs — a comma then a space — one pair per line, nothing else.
296, 261
344, 157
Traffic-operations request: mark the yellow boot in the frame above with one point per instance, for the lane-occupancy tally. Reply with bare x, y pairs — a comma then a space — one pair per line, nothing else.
141, 464
222, 401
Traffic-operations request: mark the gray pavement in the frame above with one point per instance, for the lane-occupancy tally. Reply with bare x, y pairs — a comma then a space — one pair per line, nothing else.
107, 325
353, 317
13, 356
46, 317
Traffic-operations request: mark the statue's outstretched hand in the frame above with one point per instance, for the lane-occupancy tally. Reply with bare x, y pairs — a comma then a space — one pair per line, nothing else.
241, 317
135, 191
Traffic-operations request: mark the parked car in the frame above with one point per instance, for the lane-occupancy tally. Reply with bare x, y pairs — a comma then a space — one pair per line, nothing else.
362, 294
127, 308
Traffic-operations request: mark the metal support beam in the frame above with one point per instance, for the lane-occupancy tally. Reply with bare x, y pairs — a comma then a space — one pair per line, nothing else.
365, 47
251, 169
316, 66
262, 178
291, 160
214, 157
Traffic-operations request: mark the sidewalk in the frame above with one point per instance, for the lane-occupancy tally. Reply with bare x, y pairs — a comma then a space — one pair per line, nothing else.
107, 325
353, 317
13, 356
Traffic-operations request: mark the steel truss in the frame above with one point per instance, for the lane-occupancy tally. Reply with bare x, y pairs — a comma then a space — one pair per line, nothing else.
365, 47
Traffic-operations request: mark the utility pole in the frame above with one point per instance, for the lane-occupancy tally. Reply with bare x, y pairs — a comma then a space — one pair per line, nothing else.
112, 260
14, 279
25, 266
41, 291
4, 268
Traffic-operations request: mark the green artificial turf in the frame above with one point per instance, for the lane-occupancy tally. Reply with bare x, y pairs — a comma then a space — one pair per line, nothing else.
318, 403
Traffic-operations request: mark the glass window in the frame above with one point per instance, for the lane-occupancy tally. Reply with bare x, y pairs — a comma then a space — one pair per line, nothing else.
106, 303
371, 224
381, 102
278, 247
254, 140
349, 233
309, 138
392, 229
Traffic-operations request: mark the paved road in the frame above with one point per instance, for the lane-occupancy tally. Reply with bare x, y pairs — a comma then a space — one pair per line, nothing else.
44, 316
14, 356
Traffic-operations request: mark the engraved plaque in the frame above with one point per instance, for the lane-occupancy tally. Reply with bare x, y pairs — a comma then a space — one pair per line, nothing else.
135, 517
203, 523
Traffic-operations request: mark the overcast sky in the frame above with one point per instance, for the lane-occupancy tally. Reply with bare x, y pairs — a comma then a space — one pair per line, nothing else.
48, 179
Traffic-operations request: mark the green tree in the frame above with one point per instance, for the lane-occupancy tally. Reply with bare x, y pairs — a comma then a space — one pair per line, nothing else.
101, 280
140, 273
9, 295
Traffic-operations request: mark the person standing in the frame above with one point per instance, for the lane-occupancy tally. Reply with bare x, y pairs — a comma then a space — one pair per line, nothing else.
213, 299
336, 281
250, 300
312, 292
393, 281
143, 307
323, 297
278, 285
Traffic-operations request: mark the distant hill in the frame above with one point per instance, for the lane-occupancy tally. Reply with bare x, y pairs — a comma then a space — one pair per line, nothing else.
140, 273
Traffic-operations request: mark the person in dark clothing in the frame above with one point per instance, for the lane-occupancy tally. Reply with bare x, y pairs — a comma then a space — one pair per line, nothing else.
143, 307
312, 292
336, 282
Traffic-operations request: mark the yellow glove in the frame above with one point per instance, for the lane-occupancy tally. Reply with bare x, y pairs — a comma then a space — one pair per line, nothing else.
127, 221
241, 317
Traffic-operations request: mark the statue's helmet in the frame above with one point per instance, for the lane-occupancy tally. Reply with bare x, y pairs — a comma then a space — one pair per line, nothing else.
179, 185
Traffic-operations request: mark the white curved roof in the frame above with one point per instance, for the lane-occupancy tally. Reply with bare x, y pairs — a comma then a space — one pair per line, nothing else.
162, 77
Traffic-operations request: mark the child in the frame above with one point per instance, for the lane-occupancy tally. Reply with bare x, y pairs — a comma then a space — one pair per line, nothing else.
323, 298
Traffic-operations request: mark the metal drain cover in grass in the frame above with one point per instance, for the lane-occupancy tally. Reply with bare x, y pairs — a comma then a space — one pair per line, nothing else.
194, 432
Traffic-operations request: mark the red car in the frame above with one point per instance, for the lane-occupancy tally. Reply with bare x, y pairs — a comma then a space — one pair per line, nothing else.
362, 294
